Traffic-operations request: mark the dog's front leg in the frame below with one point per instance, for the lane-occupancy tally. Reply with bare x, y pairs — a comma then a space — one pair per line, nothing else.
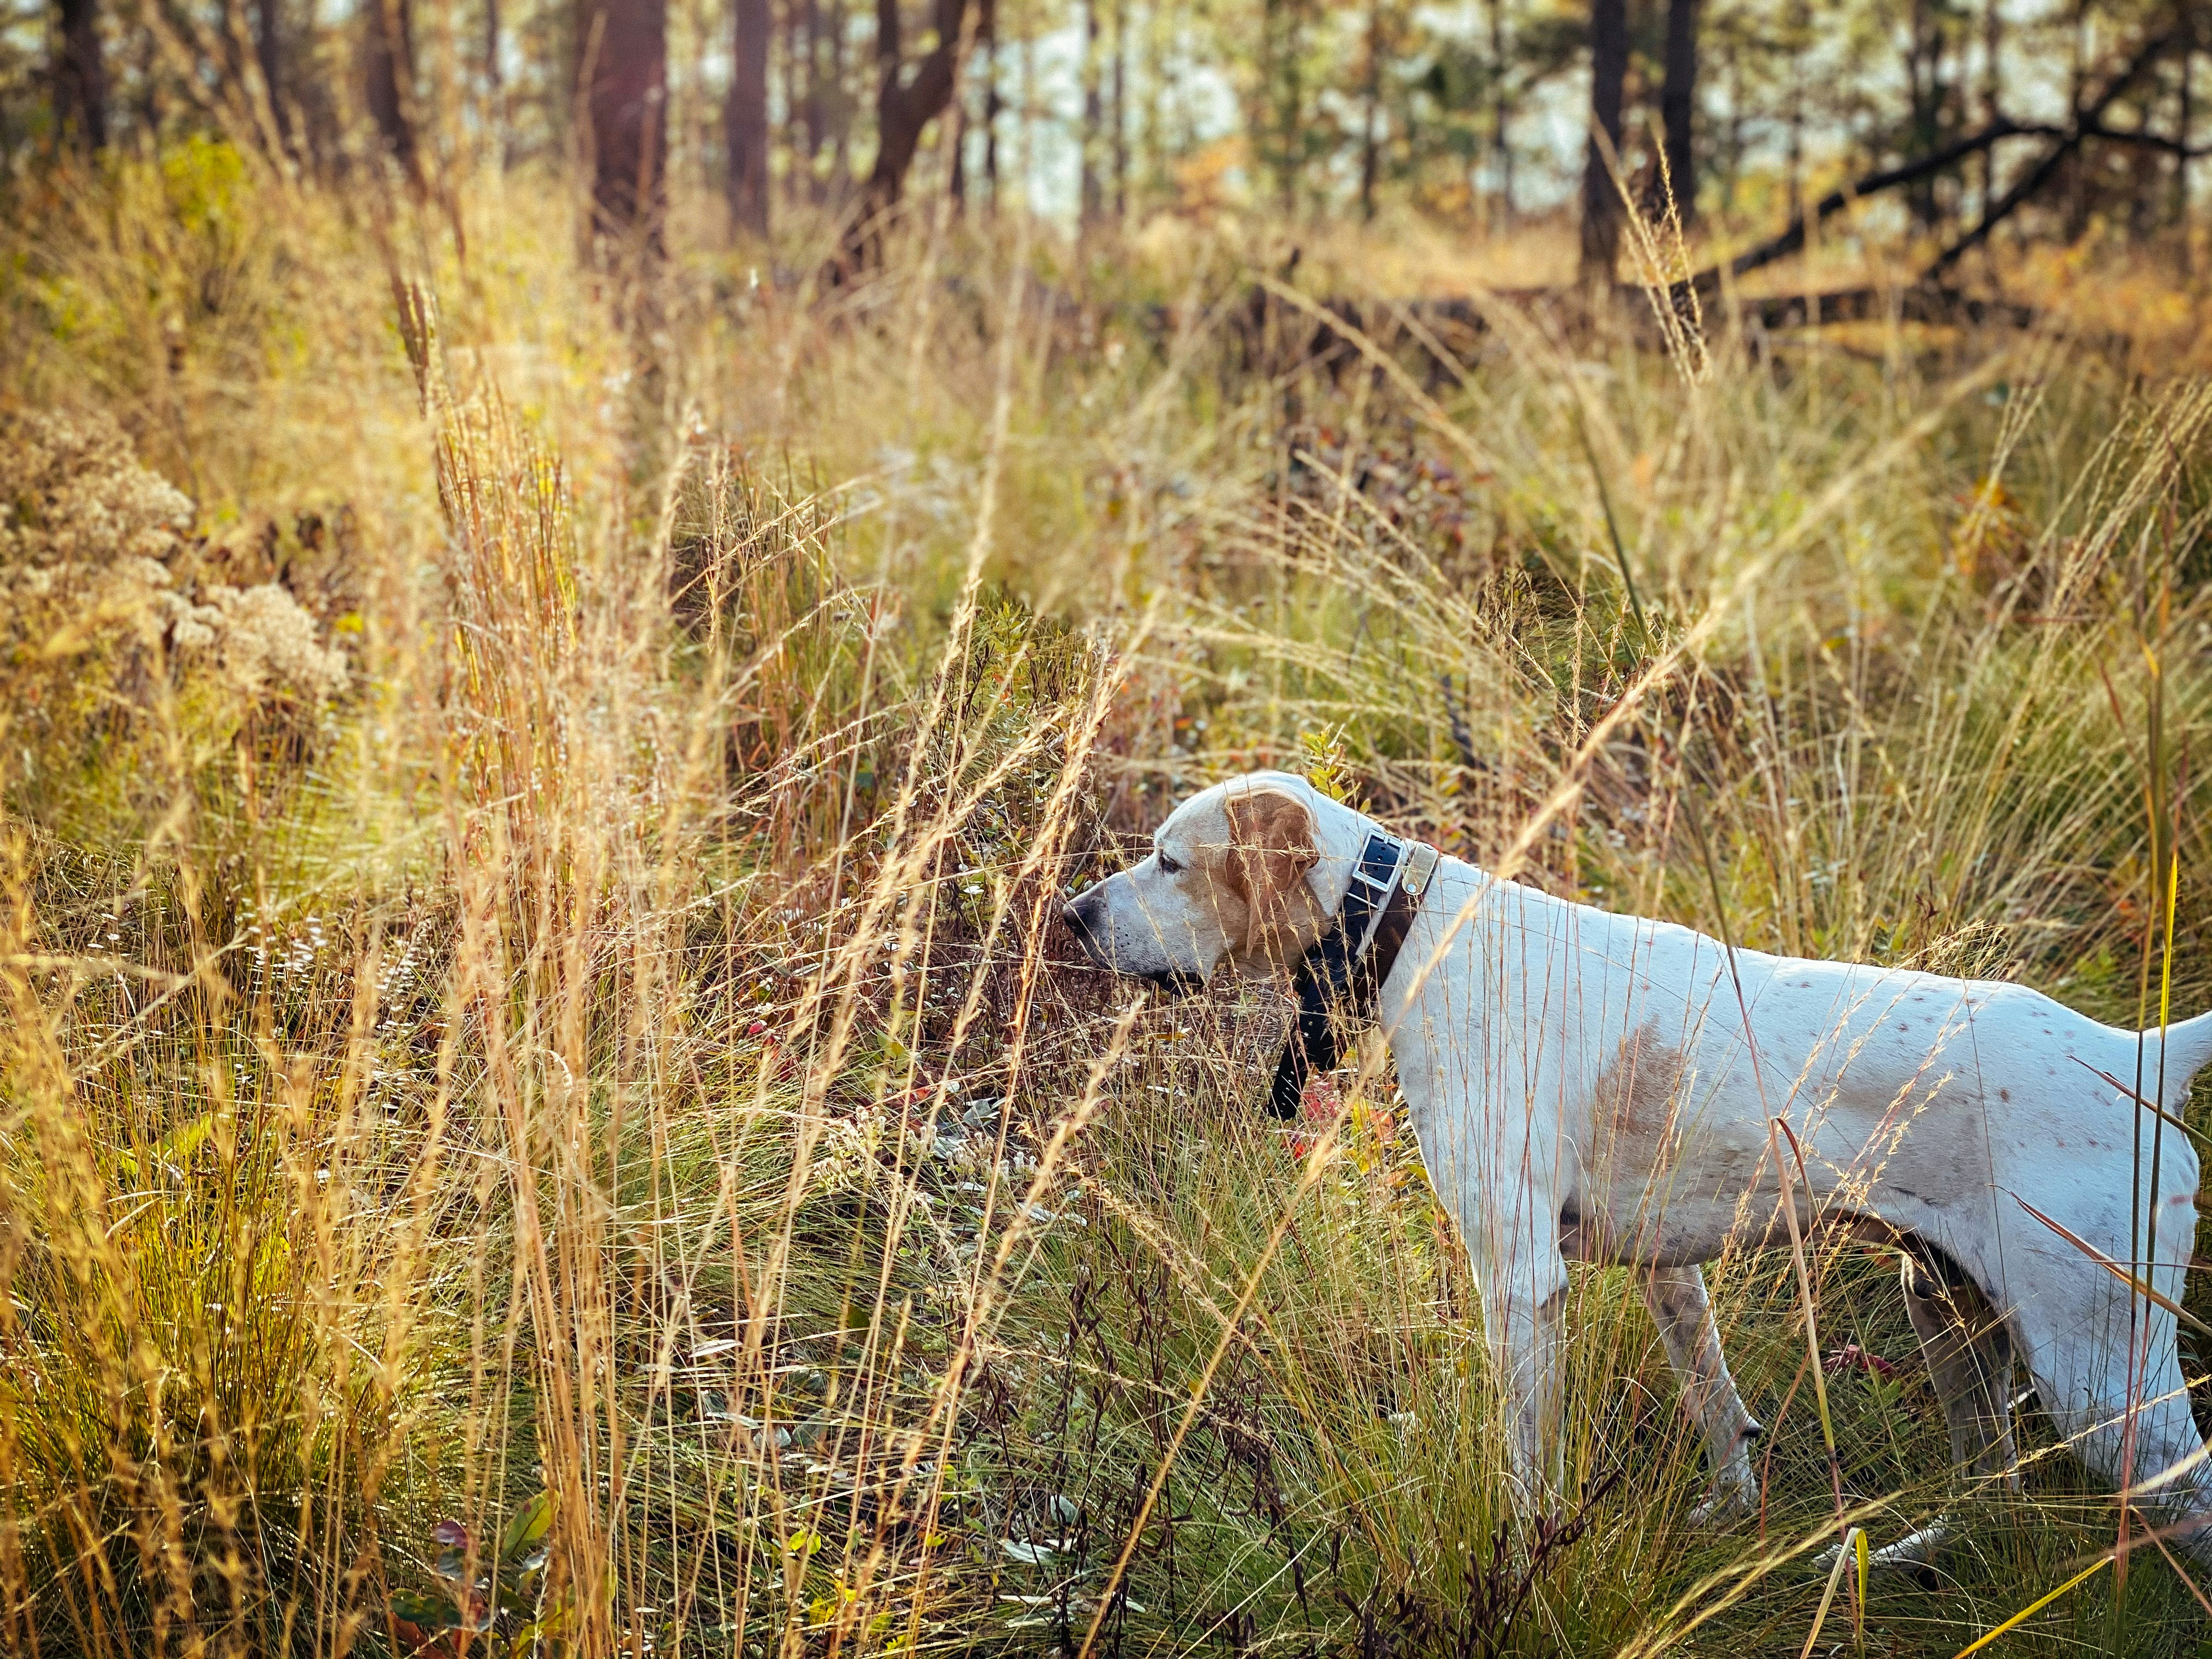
1523, 1296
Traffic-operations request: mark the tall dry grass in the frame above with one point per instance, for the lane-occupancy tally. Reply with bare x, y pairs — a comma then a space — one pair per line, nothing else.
587, 1141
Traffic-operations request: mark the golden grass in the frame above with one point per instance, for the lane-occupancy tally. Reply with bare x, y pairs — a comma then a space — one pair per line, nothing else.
615, 1064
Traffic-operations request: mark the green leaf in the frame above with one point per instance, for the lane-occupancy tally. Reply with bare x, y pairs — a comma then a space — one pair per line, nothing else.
176, 1147
432, 1613
528, 1524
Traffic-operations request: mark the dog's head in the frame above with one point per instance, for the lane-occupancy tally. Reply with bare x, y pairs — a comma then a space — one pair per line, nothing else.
1228, 877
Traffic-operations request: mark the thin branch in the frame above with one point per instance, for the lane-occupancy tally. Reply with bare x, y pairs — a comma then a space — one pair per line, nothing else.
2086, 121
2148, 141
1792, 240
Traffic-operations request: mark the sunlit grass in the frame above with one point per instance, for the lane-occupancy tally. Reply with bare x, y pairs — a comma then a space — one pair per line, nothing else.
616, 1063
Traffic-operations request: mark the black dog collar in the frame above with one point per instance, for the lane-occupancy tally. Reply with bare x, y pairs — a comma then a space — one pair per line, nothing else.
1340, 979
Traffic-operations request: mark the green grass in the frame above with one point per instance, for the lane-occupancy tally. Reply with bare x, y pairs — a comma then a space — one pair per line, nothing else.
531, 1072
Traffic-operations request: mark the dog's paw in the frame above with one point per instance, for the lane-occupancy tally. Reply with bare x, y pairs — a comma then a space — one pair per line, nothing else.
1733, 1495
1913, 1556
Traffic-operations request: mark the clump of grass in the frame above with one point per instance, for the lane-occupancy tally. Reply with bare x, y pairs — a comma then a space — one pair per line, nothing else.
597, 1145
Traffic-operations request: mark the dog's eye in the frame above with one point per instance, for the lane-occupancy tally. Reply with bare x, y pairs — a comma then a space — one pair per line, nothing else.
1169, 867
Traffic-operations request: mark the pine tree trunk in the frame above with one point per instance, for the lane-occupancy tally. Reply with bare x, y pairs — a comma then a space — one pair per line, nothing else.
1992, 48
1093, 118
80, 75
1121, 116
1501, 145
1370, 115
903, 109
268, 53
987, 29
2184, 122
1601, 205
840, 127
1924, 87
1291, 119
1678, 104
802, 91
625, 63
744, 117
492, 79
388, 69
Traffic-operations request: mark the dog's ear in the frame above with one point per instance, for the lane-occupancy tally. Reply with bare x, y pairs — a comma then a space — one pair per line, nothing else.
1271, 848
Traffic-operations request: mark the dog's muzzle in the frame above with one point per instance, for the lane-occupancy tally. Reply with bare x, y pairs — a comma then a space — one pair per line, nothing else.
1079, 917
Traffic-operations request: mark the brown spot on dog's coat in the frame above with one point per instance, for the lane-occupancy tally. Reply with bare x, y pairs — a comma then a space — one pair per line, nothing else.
1634, 1102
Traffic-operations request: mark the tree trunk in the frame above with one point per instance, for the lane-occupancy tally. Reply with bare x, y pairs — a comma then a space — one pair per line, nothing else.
1291, 98
494, 74
1501, 143
903, 111
268, 52
1121, 116
388, 69
1793, 153
986, 22
1732, 166
1370, 115
80, 76
2184, 122
625, 67
1678, 106
1924, 74
1093, 118
1992, 50
958, 185
1601, 205
841, 126
744, 117
802, 123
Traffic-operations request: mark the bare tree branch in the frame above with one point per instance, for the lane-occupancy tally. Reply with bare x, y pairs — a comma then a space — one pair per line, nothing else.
2086, 121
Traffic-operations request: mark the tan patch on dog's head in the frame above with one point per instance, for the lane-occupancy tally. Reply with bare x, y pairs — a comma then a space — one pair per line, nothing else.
1271, 848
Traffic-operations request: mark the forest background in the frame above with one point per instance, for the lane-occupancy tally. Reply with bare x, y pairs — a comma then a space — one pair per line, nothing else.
578, 580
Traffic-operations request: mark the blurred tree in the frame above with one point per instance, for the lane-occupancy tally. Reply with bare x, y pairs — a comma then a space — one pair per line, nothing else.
1370, 111
1278, 119
80, 75
1601, 204
1344, 109
744, 117
388, 76
1933, 41
1088, 140
905, 104
268, 50
493, 75
1678, 104
835, 104
1119, 120
624, 73
1501, 143
1992, 92
2187, 25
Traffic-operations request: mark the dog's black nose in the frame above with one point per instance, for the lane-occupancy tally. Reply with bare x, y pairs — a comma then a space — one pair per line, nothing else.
1073, 918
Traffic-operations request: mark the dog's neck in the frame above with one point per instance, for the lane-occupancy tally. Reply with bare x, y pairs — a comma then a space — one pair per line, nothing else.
1340, 836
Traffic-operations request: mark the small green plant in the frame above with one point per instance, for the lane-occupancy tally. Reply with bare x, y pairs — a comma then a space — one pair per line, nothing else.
491, 1605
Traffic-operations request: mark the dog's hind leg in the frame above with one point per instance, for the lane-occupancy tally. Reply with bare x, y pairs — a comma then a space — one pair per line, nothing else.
1683, 1314
1970, 1365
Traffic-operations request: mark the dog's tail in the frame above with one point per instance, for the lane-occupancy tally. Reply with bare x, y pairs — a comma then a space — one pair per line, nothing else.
2185, 1048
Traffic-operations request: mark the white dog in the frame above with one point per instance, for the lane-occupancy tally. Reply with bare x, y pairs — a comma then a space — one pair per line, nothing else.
1596, 1087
